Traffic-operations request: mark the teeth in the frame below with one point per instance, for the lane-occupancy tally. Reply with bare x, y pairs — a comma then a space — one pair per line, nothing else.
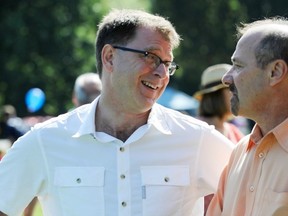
149, 85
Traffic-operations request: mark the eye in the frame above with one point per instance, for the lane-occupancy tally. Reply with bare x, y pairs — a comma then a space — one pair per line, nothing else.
237, 65
152, 60
151, 57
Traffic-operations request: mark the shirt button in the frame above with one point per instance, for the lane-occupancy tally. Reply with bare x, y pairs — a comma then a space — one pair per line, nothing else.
166, 179
124, 204
122, 176
78, 180
251, 188
261, 154
122, 149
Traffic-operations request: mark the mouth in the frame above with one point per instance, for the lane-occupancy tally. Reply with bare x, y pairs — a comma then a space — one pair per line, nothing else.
150, 85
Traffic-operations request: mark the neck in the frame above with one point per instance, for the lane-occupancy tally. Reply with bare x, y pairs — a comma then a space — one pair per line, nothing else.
118, 124
269, 122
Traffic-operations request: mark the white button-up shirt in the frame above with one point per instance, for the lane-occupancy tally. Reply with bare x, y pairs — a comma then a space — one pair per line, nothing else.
162, 169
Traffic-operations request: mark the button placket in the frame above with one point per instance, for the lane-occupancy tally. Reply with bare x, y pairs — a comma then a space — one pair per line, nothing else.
254, 178
123, 163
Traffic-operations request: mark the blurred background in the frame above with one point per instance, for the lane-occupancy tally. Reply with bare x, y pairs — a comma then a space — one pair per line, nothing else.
46, 44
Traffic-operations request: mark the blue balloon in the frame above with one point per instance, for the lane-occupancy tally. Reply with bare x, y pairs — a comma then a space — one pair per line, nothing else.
34, 99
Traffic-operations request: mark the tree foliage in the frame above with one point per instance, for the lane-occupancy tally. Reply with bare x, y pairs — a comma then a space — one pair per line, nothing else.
46, 44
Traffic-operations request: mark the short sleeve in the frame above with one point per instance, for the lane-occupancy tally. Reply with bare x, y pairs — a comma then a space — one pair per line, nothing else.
214, 153
21, 174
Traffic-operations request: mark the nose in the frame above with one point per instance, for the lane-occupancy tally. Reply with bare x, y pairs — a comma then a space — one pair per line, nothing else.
227, 78
161, 71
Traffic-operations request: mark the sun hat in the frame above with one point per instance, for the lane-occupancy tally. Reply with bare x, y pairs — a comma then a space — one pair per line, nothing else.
211, 79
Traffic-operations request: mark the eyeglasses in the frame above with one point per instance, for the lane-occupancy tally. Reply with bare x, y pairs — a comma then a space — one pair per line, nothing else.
152, 59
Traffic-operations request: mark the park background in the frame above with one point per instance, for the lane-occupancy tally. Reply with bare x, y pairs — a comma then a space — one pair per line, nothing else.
46, 44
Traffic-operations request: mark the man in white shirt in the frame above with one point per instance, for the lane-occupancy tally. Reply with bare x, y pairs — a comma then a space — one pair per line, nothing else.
123, 154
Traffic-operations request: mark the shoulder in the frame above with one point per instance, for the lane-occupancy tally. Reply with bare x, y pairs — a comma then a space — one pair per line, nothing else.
67, 121
178, 121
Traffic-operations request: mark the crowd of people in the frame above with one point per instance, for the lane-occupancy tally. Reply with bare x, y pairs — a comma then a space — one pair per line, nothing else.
118, 152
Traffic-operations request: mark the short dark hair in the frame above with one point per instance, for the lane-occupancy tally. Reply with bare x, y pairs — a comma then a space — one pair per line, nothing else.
213, 104
274, 44
119, 27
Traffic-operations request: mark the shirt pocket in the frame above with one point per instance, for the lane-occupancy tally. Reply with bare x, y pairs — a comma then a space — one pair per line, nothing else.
275, 203
80, 190
163, 188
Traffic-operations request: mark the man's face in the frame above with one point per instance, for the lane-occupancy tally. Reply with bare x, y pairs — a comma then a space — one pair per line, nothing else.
246, 81
136, 84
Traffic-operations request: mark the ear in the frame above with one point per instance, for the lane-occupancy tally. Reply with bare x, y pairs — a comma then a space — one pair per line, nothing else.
107, 57
278, 71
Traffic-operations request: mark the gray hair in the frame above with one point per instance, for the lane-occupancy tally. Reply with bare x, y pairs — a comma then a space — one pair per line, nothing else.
87, 87
274, 44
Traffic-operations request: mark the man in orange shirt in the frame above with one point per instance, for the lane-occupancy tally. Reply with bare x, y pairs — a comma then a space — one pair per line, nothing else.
255, 182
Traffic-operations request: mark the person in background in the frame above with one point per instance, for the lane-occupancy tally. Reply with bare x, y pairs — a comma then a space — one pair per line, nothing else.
255, 182
214, 106
87, 87
11, 126
214, 102
122, 154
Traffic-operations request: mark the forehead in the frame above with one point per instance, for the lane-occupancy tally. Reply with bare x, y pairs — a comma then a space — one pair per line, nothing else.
150, 40
245, 48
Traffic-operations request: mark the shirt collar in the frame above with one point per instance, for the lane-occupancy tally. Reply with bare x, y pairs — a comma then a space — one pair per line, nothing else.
279, 133
88, 120
156, 118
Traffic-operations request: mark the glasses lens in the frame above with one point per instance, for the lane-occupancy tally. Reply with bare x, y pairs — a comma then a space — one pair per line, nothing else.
153, 60
173, 67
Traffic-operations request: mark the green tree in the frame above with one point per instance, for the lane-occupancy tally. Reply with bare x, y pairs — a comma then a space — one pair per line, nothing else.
46, 44
259, 9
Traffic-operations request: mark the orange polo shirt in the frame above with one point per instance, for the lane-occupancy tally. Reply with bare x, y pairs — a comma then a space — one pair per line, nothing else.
255, 181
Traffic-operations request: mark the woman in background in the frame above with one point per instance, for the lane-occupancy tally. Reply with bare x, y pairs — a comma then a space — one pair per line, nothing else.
214, 98
214, 107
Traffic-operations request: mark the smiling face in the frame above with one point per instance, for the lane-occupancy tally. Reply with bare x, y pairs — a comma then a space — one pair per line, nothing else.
247, 82
129, 82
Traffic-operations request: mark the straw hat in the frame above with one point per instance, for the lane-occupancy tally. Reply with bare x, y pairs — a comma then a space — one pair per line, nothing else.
211, 79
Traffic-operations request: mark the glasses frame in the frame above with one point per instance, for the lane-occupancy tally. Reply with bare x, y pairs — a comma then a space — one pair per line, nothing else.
172, 67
